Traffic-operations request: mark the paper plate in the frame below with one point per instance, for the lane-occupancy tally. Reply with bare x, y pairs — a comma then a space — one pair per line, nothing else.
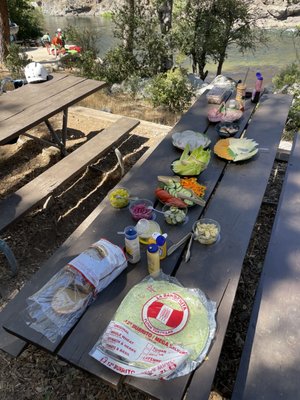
194, 139
234, 149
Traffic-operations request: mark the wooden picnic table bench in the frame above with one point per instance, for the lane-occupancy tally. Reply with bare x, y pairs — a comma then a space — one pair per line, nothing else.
36, 191
29, 105
234, 195
270, 363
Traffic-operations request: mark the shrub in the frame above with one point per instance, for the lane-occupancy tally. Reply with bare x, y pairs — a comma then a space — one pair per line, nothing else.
289, 78
85, 38
16, 60
118, 65
171, 89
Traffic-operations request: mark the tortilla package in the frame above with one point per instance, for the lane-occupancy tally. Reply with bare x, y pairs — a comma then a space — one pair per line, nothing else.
161, 330
57, 306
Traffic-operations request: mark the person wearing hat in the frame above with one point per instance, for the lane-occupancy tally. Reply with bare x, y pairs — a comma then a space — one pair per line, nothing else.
61, 36
46, 41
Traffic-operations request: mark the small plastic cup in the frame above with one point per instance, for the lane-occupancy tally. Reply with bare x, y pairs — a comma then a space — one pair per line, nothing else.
119, 197
174, 215
206, 231
146, 228
141, 209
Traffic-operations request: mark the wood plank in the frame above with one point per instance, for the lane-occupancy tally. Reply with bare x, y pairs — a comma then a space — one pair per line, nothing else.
17, 100
100, 313
10, 343
216, 269
236, 207
139, 185
34, 192
270, 365
196, 120
33, 114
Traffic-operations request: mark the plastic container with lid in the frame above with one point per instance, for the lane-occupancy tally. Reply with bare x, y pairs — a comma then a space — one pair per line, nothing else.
145, 229
153, 259
132, 245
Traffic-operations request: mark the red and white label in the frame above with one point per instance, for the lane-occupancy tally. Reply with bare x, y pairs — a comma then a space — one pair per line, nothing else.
165, 314
123, 350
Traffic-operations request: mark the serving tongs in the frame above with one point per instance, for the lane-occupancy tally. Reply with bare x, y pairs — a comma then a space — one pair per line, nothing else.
175, 246
190, 236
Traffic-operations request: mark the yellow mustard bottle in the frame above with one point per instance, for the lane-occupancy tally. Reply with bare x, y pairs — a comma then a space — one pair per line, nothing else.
153, 259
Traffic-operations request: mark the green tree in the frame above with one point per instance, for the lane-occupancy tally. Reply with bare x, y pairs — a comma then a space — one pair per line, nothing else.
206, 29
235, 24
195, 23
165, 15
142, 44
27, 17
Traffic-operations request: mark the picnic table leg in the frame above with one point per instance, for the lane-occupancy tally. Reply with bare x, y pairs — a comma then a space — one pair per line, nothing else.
9, 256
64, 127
56, 138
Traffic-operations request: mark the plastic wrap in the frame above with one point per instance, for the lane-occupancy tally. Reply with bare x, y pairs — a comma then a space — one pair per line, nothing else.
56, 307
161, 330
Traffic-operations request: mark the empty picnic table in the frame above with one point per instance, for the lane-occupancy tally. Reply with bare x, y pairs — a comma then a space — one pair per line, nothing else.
29, 105
234, 195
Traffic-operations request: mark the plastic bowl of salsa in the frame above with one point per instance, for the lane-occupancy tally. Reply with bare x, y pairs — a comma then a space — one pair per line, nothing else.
141, 208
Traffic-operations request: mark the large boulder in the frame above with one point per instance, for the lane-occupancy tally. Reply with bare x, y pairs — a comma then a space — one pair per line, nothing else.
278, 12
294, 10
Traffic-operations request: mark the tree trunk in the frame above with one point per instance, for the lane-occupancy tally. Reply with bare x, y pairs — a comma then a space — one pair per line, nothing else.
165, 11
165, 16
220, 63
129, 29
4, 30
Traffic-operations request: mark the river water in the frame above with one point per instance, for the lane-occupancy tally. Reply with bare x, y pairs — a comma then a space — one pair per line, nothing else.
268, 60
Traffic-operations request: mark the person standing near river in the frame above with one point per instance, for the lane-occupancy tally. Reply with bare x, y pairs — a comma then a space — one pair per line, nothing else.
60, 34
46, 41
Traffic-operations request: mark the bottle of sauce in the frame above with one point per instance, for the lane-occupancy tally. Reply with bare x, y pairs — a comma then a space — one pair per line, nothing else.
153, 259
258, 86
132, 245
161, 241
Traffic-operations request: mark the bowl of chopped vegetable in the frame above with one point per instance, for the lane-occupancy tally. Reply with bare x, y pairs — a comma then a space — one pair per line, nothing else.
119, 197
206, 231
174, 215
227, 129
141, 208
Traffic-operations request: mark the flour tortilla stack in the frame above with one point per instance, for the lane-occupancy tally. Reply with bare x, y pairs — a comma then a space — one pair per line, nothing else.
158, 316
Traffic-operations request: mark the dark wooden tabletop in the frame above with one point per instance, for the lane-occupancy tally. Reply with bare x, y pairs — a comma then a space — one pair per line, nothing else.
27, 106
234, 194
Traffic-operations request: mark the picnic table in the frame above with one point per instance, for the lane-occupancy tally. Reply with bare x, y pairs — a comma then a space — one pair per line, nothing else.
233, 197
28, 106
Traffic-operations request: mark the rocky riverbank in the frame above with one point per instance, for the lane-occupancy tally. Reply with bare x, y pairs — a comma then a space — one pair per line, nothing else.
270, 13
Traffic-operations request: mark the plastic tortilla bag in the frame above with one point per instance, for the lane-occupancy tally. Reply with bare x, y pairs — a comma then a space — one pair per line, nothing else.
57, 306
161, 330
